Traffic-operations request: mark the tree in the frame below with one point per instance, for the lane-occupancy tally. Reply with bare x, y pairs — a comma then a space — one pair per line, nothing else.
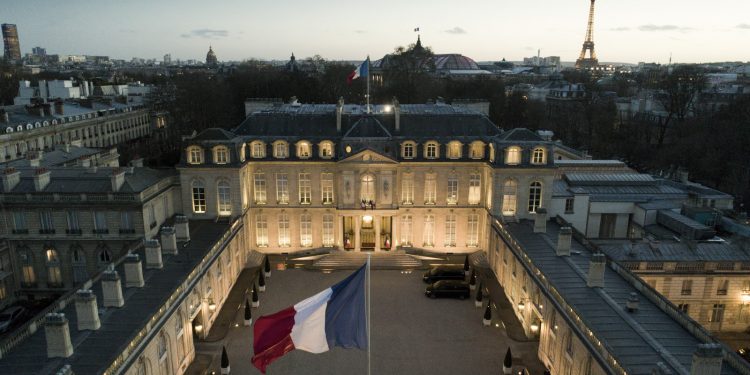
407, 74
677, 93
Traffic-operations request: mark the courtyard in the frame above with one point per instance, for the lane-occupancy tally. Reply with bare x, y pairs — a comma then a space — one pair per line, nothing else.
411, 334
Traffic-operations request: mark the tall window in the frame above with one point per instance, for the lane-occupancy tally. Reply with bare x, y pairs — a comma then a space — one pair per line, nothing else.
408, 150
513, 155
304, 188
431, 150
221, 155
430, 189
199, 197
475, 188
162, 349
100, 222
282, 188
477, 150
454, 150
406, 229
284, 238
19, 221
326, 150
717, 313
54, 275
326, 187
195, 155
303, 150
452, 196
305, 230
472, 235
27, 267
261, 231
74, 225
569, 205
723, 288
450, 230
367, 192
538, 156
46, 223
407, 189
258, 150
179, 329
224, 196
259, 188
687, 287
78, 260
509, 197
535, 196
328, 230
429, 230
280, 150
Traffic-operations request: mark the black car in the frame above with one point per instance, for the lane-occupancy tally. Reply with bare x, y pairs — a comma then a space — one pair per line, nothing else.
443, 273
448, 288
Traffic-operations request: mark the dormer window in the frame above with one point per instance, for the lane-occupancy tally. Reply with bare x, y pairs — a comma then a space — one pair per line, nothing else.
454, 150
408, 150
303, 150
258, 150
476, 150
280, 150
326, 149
221, 155
431, 150
195, 155
513, 155
539, 156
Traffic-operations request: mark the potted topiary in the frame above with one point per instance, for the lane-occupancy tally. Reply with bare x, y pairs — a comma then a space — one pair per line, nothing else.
267, 267
256, 301
487, 316
248, 314
508, 363
224, 361
261, 282
480, 296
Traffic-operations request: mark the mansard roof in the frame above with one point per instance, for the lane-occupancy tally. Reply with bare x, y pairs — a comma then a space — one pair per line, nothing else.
520, 135
214, 134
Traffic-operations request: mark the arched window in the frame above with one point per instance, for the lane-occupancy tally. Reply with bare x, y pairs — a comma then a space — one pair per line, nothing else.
54, 275
305, 230
78, 260
162, 351
476, 150
454, 150
258, 150
104, 256
367, 192
408, 150
179, 331
326, 149
199, 197
280, 150
539, 156
223, 198
535, 196
221, 155
141, 367
304, 150
513, 155
27, 267
195, 155
509, 197
431, 150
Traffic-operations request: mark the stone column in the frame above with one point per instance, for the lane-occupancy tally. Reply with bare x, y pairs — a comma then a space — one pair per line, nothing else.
357, 225
133, 271
57, 332
168, 240
376, 224
112, 289
87, 311
153, 254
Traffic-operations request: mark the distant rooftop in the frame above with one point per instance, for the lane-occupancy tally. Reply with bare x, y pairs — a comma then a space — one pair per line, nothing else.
80, 180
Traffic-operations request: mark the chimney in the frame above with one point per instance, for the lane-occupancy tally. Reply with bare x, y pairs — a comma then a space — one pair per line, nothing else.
4, 116
86, 310
59, 108
339, 111
34, 158
564, 239
168, 240
397, 114
117, 179
57, 332
111, 288
47, 109
153, 254
11, 178
632, 303
540, 220
41, 178
596, 271
682, 175
66, 147
182, 228
137, 162
133, 271
707, 360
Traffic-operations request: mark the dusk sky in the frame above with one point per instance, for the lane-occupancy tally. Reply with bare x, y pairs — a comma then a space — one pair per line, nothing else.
625, 31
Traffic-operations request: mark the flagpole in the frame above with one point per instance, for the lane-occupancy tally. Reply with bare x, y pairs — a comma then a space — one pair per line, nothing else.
368, 109
369, 291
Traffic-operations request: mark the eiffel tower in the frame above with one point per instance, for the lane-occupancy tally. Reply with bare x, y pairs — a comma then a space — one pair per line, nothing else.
588, 45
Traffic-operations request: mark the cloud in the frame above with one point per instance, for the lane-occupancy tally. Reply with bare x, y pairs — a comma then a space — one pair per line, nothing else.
360, 31
456, 30
620, 29
745, 26
651, 27
206, 33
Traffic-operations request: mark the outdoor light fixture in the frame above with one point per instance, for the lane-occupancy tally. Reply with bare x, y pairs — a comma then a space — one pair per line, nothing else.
199, 328
367, 219
387, 108
521, 306
534, 327
745, 297
212, 305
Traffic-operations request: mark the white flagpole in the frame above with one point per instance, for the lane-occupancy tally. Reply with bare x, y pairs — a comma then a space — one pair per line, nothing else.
368, 104
369, 291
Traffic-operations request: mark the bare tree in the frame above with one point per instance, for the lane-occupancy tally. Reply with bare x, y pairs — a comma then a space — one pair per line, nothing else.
678, 91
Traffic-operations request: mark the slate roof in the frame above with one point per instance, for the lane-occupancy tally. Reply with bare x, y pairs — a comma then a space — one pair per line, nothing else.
78, 180
635, 340
57, 157
673, 251
214, 134
367, 127
520, 134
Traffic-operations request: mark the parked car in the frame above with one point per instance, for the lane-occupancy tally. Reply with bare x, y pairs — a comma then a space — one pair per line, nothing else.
448, 288
10, 316
443, 273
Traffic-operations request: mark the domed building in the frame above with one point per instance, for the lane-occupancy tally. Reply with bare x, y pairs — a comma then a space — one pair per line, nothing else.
211, 59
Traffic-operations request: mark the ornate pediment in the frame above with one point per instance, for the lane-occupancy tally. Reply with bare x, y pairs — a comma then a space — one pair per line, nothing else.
368, 157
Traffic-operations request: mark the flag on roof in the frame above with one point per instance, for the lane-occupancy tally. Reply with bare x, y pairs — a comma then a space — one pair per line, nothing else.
362, 70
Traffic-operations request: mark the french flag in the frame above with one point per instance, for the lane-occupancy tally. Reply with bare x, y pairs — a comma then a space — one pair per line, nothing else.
333, 317
359, 72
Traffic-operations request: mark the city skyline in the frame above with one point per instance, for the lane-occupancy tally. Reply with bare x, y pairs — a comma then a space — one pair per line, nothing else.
483, 30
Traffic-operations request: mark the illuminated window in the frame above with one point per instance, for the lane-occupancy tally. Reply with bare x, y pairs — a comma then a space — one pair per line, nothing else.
509, 197
431, 150
259, 188
429, 230
304, 150
199, 197
406, 229
475, 188
472, 236
328, 240
326, 149
476, 150
513, 155
454, 150
326, 187
367, 192
282, 188
221, 155
407, 150
224, 198
450, 230
195, 155
261, 231
430, 188
284, 238
539, 156
54, 274
452, 193
258, 150
305, 230
280, 150
304, 188
407, 189
535, 196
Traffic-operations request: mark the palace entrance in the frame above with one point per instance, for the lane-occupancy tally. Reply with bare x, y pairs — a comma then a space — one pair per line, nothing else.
367, 232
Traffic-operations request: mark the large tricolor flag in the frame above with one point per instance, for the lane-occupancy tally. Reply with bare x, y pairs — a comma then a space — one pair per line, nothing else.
333, 317
361, 70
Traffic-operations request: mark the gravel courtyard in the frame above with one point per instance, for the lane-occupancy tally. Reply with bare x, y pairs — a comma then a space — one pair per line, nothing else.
411, 334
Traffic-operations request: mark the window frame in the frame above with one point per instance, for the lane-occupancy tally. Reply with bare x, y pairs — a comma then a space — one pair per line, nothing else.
221, 155
304, 150
198, 196
323, 147
431, 150
454, 150
223, 198
259, 146
535, 196
539, 156
195, 154
513, 155
412, 150
281, 150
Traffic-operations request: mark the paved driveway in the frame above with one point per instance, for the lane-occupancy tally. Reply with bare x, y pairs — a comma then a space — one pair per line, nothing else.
411, 334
